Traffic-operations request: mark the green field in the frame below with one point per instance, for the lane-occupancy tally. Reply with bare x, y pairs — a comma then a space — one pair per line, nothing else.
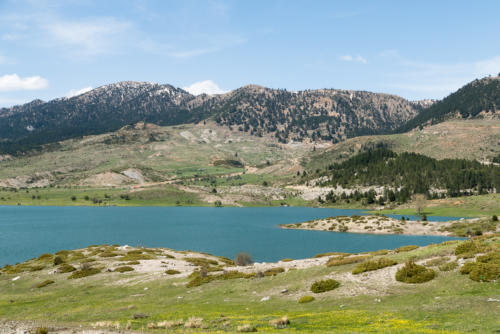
450, 303
467, 206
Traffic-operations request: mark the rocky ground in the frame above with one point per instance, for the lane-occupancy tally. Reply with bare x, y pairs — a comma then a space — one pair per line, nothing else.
375, 225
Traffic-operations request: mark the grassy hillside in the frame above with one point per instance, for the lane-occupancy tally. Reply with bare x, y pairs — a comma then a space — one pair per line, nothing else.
158, 153
463, 139
369, 302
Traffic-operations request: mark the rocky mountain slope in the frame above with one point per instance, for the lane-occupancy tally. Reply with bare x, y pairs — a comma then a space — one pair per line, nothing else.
326, 114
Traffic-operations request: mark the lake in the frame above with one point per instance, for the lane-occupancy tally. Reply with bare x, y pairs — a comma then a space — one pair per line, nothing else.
27, 232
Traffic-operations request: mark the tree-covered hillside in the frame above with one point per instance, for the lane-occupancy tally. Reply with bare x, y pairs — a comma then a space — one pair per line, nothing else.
410, 173
468, 102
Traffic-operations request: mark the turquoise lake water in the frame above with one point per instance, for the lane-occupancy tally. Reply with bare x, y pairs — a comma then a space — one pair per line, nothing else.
27, 232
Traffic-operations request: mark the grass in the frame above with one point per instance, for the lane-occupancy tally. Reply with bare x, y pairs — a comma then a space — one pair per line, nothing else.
466, 206
411, 308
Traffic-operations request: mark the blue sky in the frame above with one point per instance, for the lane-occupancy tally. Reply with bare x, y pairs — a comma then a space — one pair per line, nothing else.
416, 49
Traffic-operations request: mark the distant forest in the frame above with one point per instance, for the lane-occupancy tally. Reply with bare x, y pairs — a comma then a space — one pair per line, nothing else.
410, 173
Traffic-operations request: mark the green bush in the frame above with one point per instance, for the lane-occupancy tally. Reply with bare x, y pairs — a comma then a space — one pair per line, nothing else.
66, 268
273, 271
44, 283
373, 265
84, 272
485, 272
467, 268
58, 260
41, 330
201, 261
36, 268
325, 285
448, 266
132, 263
493, 257
198, 277
172, 272
123, 269
467, 247
341, 260
306, 299
108, 254
414, 273
45, 257
494, 218
406, 248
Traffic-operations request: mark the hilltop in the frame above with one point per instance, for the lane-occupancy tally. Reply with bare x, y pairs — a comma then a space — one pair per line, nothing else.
326, 114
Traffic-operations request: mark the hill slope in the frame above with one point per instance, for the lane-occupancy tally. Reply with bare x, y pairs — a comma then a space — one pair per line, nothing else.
477, 98
318, 114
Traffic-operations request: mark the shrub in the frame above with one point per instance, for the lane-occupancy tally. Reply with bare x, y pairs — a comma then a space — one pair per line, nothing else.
468, 247
36, 268
325, 285
286, 260
380, 252
45, 257
467, 268
201, 261
273, 271
66, 268
108, 254
199, 277
494, 218
448, 266
406, 248
84, 272
44, 283
414, 273
123, 269
132, 263
341, 260
243, 259
330, 254
41, 330
306, 299
58, 260
485, 272
172, 272
493, 257
373, 265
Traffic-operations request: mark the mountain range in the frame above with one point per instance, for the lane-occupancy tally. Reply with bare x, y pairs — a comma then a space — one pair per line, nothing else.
309, 115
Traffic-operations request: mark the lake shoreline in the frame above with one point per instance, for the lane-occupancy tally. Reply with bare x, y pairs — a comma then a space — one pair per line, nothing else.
380, 224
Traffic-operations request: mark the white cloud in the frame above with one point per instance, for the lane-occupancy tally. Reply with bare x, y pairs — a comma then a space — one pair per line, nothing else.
204, 87
91, 36
11, 82
76, 92
357, 58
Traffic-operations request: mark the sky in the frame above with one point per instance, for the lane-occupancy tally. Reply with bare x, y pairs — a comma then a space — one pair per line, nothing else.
415, 49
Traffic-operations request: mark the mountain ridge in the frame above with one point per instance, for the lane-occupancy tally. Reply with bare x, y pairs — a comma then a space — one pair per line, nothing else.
324, 114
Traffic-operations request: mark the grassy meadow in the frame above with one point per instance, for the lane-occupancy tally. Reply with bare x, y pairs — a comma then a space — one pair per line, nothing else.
450, 303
